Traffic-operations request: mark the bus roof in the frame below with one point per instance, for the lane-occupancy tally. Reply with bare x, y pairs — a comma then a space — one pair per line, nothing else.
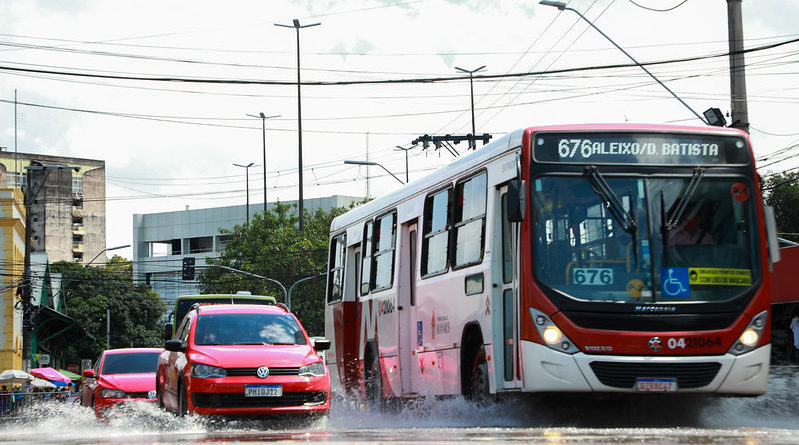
494, 149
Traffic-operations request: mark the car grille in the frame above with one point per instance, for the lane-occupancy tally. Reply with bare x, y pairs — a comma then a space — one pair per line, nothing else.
237, 400
136, 395
251, 372
623, 375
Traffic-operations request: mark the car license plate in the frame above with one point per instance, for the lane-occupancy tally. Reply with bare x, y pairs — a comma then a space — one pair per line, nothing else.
263, 390
656, 385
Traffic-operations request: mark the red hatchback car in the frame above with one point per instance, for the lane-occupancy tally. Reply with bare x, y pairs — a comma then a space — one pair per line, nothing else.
242, 360
120, 376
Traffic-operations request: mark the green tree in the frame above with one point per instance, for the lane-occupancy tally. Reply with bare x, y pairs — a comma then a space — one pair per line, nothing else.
782, 193
272, 246
136, 311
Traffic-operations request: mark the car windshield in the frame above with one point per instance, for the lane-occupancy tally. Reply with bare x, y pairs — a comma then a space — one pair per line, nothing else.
665, 240
130, 363
248, 329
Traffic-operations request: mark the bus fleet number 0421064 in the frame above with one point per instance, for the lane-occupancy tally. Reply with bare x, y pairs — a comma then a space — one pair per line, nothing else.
693, 342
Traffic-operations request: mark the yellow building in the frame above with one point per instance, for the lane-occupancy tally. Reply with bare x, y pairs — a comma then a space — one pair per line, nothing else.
12, 265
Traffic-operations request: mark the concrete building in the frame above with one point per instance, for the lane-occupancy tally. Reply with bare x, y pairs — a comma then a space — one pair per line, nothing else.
12, 263
162, 240
67, 209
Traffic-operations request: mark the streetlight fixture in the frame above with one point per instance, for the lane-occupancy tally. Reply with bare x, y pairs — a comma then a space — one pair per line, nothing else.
296, 25
472, 143
562, 6
406, 150
374, 163
263, 128
247, 176
106, 250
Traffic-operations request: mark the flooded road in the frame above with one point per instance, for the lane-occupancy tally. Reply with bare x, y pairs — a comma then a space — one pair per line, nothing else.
769, 419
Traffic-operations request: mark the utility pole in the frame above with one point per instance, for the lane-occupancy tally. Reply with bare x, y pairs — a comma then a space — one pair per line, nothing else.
471, 91
738, 104
296, 25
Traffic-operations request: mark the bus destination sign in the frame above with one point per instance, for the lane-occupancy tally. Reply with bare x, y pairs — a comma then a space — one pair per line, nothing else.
639, 148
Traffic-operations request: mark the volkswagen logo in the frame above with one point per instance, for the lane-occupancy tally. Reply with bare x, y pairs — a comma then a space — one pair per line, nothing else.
151, 394
655, 344
262, 372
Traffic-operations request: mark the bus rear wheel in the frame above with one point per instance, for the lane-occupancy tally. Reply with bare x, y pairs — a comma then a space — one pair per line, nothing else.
374, 384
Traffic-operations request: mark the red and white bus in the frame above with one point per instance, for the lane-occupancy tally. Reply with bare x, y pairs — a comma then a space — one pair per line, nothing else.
580, 258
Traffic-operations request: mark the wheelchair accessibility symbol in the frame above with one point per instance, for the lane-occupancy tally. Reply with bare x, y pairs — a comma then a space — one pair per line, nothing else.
674, 282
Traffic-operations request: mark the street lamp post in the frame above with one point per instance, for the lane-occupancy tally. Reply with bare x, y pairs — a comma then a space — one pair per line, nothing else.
263, 128
561, 6
296, 25
247, 176
374, 163
472, 143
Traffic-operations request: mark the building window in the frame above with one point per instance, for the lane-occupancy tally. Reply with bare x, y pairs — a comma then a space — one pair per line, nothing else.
201, 244
435, 244
16, 179
469, 221
77, 184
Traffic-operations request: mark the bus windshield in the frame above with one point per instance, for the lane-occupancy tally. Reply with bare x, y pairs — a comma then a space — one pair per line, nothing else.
609, 238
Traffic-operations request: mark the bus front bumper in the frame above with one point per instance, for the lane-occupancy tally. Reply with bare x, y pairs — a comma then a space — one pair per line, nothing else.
547, 370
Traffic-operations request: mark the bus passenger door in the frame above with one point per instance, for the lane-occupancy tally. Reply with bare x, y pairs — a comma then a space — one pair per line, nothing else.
406, 305
505, 315
348, 317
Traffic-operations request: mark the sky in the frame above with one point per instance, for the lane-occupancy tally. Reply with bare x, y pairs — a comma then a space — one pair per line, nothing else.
161, 90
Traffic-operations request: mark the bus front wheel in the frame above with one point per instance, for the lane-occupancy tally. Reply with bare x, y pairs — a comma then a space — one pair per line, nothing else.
479, 390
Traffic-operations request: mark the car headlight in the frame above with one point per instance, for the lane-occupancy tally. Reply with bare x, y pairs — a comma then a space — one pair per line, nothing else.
207, 371
552, 335
313, 370
750, 337
108, 393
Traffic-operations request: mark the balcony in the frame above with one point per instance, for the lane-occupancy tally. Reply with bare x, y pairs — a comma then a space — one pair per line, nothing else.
78, 212
78, 230
77, 247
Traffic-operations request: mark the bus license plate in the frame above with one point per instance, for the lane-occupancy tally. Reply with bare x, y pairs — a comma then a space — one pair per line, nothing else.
263, 390
656, 385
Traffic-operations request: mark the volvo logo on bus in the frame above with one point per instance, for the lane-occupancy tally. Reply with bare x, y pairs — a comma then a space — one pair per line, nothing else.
262, 372
655, 344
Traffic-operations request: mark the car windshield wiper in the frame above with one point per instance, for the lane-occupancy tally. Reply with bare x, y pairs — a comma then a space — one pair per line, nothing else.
611, 201
675, 213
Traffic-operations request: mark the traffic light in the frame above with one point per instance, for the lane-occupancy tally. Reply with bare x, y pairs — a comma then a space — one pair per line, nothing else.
188, 268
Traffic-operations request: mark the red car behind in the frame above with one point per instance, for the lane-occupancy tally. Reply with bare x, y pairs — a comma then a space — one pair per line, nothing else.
120, 376
249, 360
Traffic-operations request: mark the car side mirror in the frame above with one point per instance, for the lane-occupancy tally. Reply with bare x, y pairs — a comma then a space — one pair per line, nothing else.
321, 344
174, 345
88, 373
168, 331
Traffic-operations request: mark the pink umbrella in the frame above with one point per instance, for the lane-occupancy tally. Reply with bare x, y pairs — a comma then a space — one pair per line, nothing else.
50, 374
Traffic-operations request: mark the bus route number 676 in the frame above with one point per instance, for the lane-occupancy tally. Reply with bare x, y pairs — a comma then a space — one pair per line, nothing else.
592, 276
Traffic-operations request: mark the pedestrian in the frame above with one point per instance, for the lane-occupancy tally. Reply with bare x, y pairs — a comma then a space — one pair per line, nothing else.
4, 400
795, 329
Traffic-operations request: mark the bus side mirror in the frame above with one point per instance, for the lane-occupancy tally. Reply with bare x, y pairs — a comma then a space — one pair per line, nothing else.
168, 331
771, 234
517, 200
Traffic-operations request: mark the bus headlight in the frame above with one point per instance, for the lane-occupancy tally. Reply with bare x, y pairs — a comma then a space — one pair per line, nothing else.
750, 337
552, 335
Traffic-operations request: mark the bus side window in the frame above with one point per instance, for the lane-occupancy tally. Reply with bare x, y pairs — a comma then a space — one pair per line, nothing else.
385, 238
469, 215
435, 241
366, 259
336, 273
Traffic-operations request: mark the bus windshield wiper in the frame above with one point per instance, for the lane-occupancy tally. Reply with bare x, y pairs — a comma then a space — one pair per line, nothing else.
611, 201
675, 213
